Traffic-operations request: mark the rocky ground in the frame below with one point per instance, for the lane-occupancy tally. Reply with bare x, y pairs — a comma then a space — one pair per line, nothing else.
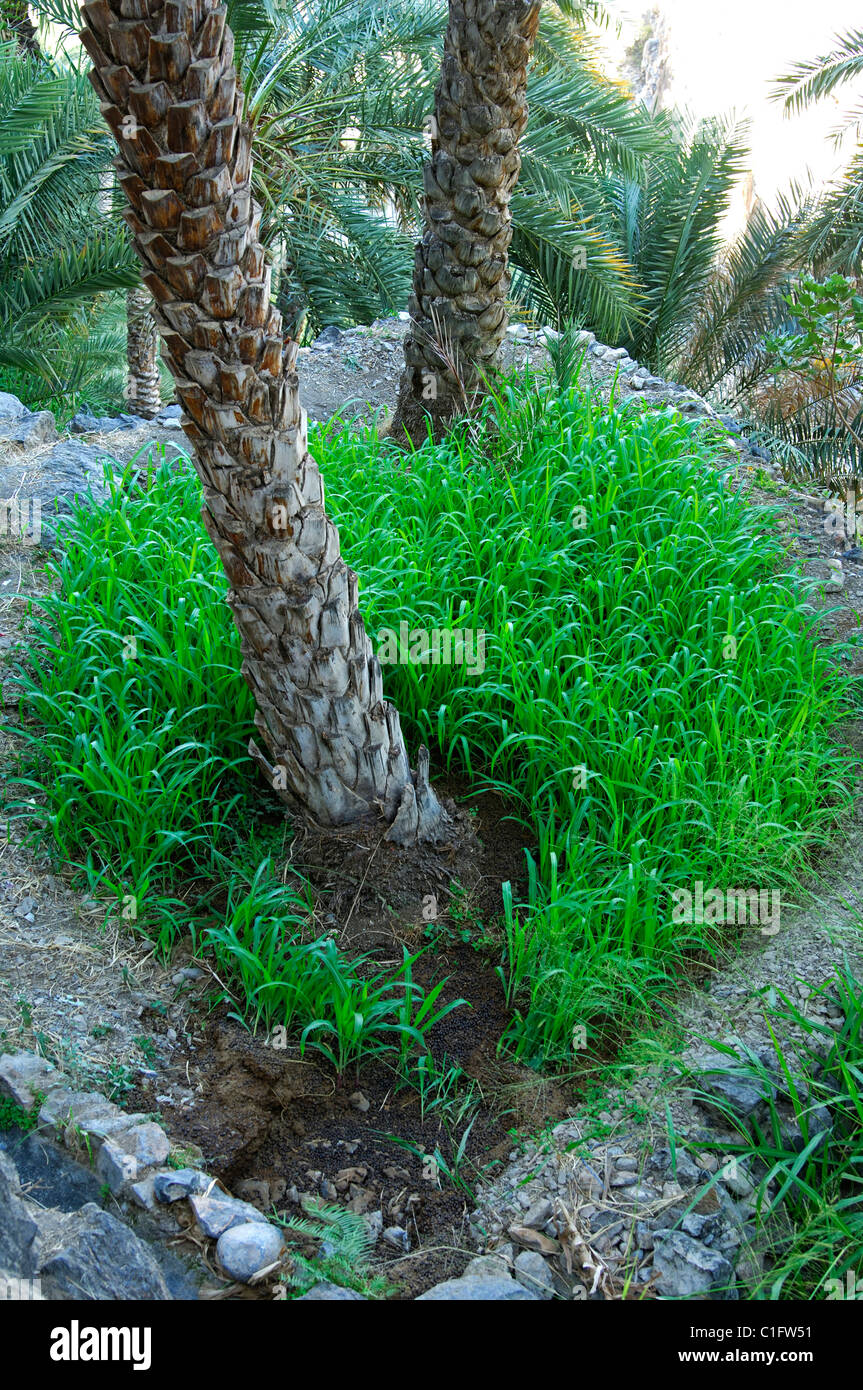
601, 1205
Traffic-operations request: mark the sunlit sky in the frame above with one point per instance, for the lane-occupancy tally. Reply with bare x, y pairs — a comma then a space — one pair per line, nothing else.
726, 55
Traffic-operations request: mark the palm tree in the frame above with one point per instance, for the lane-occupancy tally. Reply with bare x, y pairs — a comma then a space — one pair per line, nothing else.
834, 238
170, 95
61, 252
461, 269
142, 354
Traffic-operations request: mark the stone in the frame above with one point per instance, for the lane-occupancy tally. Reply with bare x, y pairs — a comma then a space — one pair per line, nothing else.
687, 1269
532, 1272
22, 1075
817, 1120
64, 1106
359, 1102
18, 1230
216, 1214
116, 1166
18, 425
84, 422
478, 1290
708, 1162
374, 1222
736, 1180
54, 480
331, 1293
173, 1184
537, 1214
91, 1255
330, 336
243, 1251
142, 1193
488, 1267
397, 1237
147, 1143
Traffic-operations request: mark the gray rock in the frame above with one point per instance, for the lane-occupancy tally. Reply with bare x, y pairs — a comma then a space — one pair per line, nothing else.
87, 423
817, 1120
686, 1268
91, 1255
330, 336
18, 1230
216, 1214
700, 1226
174, 1184
488, 1267
67, 1107
18, 425
532, 1272
148, 1142
84, 422
116, 1166
106, 1125
53, 480
737, 1180
331, 1293
244, 1250
685, 1169
537, 1214
143, 1194
22, 1075
478, 1290
398, 1238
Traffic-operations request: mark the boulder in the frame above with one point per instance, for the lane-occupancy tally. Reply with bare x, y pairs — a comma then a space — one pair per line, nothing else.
243, 1251
91, 1255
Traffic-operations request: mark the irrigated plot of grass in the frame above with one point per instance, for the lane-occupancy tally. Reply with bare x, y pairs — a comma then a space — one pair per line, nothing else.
647, 694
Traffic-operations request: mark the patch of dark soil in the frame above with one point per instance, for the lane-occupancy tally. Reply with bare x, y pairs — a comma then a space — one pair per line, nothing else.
277, 1127
377, 891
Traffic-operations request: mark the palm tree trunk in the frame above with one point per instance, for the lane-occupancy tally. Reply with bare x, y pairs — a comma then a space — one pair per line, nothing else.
142, 349
169, 89
461, 279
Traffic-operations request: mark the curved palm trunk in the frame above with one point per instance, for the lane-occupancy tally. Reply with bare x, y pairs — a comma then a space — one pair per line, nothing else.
458, 307
169, 89
142, 359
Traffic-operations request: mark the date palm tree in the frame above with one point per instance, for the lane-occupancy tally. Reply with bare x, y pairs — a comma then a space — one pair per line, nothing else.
834, 239
461, 271
142, 354
334, 747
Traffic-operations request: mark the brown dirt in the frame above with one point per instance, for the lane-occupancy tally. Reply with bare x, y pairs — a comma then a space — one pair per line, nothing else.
268, 1121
